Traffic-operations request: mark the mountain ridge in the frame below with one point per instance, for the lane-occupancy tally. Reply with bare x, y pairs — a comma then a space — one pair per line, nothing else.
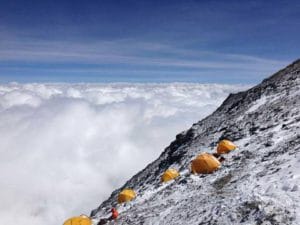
254, 119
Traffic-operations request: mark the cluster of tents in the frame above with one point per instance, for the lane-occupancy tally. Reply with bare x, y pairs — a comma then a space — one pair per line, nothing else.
204, 163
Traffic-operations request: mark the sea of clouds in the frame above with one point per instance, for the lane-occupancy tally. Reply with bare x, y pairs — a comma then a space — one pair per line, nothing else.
66, 147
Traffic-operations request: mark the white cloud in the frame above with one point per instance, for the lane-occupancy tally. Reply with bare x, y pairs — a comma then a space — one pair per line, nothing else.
64, 148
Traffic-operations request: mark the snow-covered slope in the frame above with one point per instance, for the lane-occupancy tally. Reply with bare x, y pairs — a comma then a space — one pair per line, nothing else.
259, 183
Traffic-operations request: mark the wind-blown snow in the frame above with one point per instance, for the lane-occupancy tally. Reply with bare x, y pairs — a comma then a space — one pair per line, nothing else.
64, 147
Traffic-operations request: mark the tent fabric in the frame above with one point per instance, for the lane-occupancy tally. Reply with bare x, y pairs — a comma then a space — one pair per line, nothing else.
126, 195
169, 174
225, 146
79, 220
205, 163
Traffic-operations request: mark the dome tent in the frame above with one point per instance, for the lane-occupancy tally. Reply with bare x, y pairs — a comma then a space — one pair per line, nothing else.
205, 163
126, 195
78, 220
169, 174
225, 146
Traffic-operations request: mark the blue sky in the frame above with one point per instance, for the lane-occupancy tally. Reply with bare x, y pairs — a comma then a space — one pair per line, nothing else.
146, 41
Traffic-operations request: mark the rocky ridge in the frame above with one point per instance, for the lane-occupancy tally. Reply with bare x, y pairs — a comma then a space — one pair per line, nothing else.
259, 183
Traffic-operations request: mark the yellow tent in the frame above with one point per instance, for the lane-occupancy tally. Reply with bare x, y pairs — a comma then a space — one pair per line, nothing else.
79, 220
126, 195
225, 146
169, 174
205, 163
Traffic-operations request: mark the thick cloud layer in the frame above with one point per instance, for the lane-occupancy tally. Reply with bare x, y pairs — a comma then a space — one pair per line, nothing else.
64, 148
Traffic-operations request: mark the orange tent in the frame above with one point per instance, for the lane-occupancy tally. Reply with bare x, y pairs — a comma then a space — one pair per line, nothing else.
126, 195
79, 220
169, 174
205, 163
225, 146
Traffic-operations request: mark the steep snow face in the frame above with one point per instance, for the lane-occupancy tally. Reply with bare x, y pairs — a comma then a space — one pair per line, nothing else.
259, 183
